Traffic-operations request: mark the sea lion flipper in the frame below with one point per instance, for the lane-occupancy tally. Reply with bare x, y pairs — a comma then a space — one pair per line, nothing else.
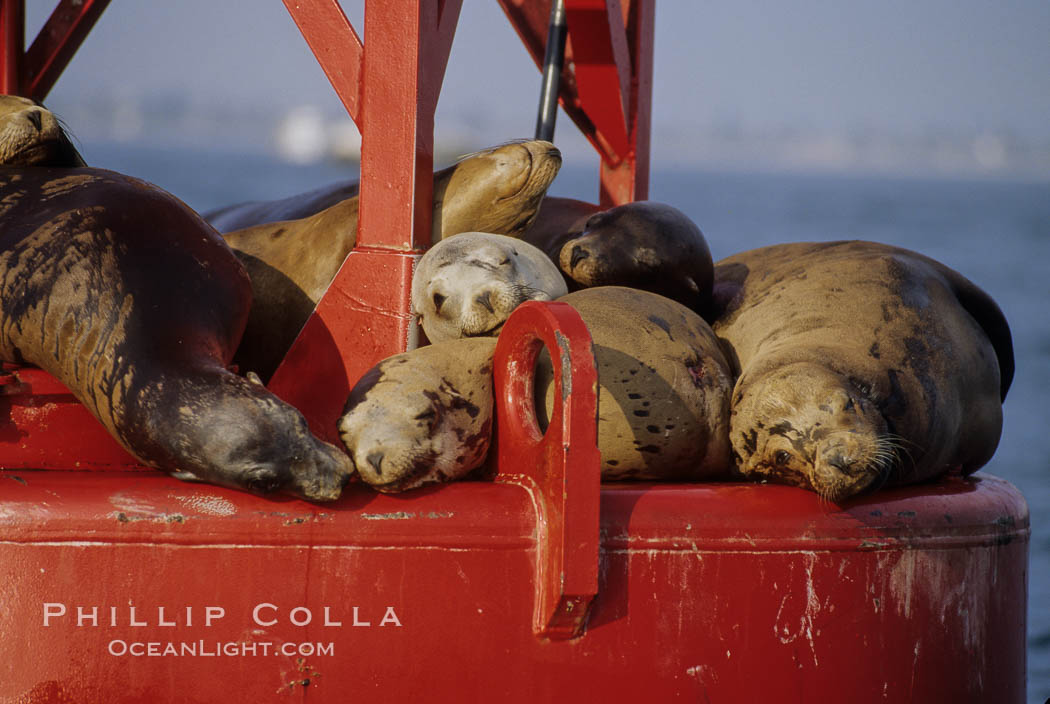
986, 313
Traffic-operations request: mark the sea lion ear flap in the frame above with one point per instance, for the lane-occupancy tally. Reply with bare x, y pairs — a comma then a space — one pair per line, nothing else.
691, 284
254, 378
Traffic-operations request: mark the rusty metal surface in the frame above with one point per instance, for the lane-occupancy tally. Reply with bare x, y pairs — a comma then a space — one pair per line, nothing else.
909, 595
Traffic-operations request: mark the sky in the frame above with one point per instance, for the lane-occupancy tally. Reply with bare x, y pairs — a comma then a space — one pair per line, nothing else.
936, 66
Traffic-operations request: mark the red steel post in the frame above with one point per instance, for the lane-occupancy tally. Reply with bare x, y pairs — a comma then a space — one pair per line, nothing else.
606, 83
365, 314
628, 180
12, 39
58, 41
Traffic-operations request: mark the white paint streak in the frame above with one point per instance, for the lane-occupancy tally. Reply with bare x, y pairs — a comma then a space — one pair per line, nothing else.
956, 587
207, 504
790, 623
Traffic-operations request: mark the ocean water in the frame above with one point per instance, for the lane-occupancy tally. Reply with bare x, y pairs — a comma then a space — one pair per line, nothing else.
994, 232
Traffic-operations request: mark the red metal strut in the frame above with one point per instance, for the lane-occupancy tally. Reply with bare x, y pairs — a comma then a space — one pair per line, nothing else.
33, 73
389, 84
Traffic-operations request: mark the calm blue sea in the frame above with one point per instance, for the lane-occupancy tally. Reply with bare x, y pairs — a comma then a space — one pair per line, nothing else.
996, 233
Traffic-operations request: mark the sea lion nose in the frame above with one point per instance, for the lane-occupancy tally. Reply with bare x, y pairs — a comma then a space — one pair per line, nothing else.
34, 117
485, 301
376, 460
838, 461
578, 254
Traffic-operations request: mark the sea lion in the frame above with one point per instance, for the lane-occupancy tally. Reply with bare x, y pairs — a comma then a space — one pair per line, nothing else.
663, 396
646, 245
558, 220
132, 301
860, 365
31, 135
467, 285
292, 262
423, 416
497, 189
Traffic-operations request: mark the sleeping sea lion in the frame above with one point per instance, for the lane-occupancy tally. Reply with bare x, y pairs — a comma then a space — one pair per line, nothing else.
132, 301
467, 285
292, 262
663, 386
31, 135
423, 416
860, 365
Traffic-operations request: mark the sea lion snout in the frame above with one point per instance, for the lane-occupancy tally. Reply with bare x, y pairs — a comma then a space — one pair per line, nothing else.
578, 254
845, 468
467, 285
31, 135
323, 475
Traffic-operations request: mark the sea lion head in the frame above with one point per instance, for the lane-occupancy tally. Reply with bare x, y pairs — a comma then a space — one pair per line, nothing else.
645, 245
495, 190
406, 425
467, 285
31, 135
236, 433
805, 425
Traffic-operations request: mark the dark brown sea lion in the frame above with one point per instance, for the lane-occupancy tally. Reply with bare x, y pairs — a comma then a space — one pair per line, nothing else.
423, 416
292, 262
30, 135
664, 384
645, 245
860, 364
134, 303
558, 221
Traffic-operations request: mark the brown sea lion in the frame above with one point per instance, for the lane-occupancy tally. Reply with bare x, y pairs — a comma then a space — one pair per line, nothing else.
423, 416
497, 189
292, 262
30, 135
646, 245
558, 221
663, 396
860, 365
132, 301
467, 285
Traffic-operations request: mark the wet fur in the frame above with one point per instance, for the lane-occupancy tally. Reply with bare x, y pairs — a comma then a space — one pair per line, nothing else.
135, 304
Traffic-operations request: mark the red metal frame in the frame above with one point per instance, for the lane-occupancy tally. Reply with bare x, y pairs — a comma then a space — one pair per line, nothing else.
390, 85
606, 83
33, 73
